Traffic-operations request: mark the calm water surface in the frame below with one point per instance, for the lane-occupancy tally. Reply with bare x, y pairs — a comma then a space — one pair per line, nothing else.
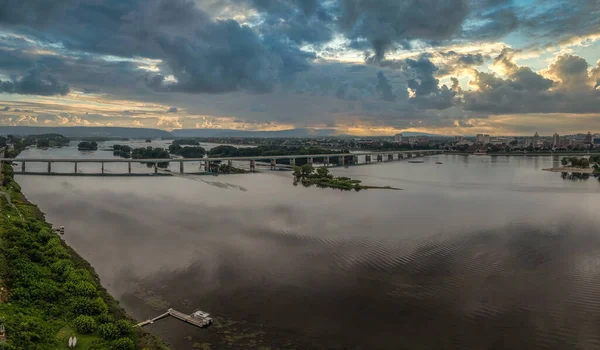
475, 253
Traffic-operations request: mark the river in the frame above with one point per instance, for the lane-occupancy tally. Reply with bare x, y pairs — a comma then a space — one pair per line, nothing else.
479, 252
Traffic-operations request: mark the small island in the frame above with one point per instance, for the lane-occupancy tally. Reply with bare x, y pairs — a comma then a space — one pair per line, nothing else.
87, 146
576, 168
123, 151
187, 151
320, 177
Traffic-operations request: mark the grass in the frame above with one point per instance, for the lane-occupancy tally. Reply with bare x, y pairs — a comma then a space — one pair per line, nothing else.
84, 341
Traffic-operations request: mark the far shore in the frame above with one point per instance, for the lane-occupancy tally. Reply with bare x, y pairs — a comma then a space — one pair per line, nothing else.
530, 154
570, 170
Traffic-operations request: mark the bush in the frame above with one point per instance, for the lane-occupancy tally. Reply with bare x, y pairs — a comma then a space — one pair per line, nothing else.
105, 318
123, 344
123, 327
109, 331
84, 324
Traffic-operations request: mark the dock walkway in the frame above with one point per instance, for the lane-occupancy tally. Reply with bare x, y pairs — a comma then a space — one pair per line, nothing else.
195, 321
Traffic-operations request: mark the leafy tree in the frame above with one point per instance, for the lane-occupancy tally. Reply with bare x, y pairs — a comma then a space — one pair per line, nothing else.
323, 172
84, 324
564, 161
87, 146
123, 344
306, 169
109, 331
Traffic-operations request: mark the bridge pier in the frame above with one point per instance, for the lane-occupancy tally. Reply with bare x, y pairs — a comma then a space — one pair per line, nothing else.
252, 165
22, 167
342, 160
102, 167
368, 158
390, 157
206, 166
379, 158
273, 164
155, 168
309, 161
293, 161
400, 156
326, 161
230, 163
181, 167
75, 167
129, 167
49, 167
355, 159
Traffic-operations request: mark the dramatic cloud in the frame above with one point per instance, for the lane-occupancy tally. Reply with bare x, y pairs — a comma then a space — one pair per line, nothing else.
385, 88
525, 91
37, 81
385, 23
354, 65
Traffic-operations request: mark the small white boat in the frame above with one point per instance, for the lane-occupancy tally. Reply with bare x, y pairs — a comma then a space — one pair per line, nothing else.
416, 161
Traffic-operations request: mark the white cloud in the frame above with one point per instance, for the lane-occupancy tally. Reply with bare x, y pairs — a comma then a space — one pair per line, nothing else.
169, 122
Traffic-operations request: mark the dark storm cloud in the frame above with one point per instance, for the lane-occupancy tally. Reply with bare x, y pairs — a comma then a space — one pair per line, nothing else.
385, 23
560, 20
204, 55
385, 88
37, 81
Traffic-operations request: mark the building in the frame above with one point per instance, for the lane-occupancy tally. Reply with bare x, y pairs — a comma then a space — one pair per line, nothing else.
555, 140
486, 139
423, 140
588, 138
398, 138
458, 139
536, 137
480, 138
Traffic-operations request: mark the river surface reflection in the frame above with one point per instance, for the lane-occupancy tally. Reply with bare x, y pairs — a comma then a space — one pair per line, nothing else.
475, 253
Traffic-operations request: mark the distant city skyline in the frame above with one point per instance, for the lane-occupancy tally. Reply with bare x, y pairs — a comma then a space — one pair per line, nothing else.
450, 67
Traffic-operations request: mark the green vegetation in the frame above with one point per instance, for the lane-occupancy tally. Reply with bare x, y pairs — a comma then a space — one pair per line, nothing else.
123, 151
51, 140
87, 146
321, 177
576, 162
52, 292
151, 153
230, 169
187, 152
19, 143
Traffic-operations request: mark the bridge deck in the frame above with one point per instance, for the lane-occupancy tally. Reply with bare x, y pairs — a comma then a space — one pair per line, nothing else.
178, 160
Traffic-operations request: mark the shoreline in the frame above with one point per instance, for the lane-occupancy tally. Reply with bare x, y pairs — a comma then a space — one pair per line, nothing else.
62, 326
532, 154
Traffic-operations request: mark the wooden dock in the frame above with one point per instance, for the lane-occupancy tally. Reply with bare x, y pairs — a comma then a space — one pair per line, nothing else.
188, 318
194, 321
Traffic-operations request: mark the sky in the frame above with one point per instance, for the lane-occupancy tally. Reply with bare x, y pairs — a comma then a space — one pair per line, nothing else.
362, 67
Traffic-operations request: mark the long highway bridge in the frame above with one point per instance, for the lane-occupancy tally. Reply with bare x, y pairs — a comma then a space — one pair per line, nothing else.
339, 159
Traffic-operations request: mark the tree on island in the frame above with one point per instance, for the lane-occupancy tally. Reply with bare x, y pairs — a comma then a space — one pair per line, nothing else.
87, 146
187, 152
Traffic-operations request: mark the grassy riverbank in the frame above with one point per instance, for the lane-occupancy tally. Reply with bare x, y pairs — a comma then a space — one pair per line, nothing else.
48, 292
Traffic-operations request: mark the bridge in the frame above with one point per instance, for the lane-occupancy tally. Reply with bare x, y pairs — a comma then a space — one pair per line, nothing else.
334, 159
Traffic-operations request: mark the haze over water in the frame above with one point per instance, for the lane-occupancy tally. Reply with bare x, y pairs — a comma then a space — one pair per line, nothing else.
476, 253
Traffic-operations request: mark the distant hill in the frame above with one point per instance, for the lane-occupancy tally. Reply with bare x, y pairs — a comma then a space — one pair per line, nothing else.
86, 131
245, 133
